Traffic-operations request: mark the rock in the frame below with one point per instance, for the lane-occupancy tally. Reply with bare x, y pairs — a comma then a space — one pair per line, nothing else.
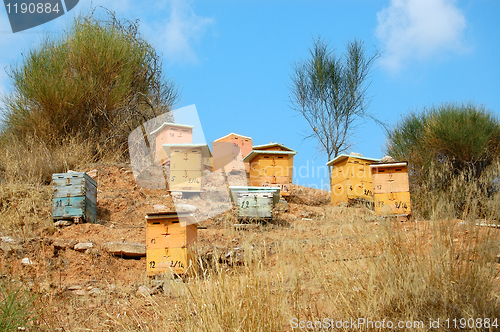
93, 251
74, 287
61, 244
93, 174
11, 248
125, 249
26, 261
387, 159
185, 208
159, 207
63, 223
95, 292
83, 246
282, 206
80, 292
7, 239
144, 291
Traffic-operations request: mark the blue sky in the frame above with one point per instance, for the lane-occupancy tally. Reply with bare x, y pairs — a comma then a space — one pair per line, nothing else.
233, 59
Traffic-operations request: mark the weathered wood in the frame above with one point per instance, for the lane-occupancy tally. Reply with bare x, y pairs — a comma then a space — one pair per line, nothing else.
74, 196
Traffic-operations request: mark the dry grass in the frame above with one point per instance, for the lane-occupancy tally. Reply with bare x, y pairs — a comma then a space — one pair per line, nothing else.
345, 267
343, 264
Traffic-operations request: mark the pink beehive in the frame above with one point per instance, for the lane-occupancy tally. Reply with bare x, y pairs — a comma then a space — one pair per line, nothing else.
229, 151
170, 133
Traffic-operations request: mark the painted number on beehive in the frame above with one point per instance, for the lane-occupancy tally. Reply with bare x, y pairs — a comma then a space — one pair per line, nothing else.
380, 203
194, 180
173, 178
152, 264
176, 264
368, 192
401, 205
59, 203
245, 204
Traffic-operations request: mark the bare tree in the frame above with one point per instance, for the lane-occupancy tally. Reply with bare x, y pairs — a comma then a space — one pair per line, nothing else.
330, 92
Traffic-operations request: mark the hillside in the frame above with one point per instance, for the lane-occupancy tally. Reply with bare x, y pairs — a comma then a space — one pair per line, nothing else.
312, 262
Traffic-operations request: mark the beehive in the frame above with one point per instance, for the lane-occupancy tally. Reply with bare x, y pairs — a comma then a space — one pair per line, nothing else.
391, 189
254, 202
74, 197
169, 236
271, 165
186, 165
229, 152
170, 133
351, 179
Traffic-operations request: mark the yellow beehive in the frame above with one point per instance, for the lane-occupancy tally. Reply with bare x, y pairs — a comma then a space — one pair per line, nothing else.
229, 152
186, 165
170, 133
271, 165
391, 189
351, 179
169, 236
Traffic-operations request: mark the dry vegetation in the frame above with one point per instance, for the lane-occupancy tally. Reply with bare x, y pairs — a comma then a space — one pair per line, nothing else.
314, 262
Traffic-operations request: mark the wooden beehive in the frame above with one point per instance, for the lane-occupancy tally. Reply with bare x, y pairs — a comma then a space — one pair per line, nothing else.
169, 236
255, 203
391, 189
229, 152
271, 165
170, 133
74, 197
351, 179
186, 165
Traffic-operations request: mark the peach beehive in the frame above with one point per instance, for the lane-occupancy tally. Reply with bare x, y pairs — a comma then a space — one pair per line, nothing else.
391, 189
229, 152
170, 133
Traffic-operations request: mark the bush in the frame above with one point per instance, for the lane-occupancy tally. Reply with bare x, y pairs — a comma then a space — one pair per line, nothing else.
452, 151
99, 81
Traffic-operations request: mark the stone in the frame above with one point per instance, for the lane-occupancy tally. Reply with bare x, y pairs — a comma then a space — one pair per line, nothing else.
160, 208
143, 291
387, 159
11, 248
80, 292
125, 249
7, 239
185, 208
95, 292
83, 246
61, 244
63, 223
26, 261
282, 206
74, 287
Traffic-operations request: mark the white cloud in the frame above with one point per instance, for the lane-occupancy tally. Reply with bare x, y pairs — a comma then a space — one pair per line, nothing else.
181, 31
419, 29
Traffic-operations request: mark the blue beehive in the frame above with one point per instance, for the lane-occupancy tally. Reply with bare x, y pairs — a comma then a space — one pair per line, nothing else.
74, 196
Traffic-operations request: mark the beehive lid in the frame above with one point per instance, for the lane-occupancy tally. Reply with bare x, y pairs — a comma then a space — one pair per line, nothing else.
388, 165
342, 157
254, 153
185, 219
269, 145
204, 148
232, 134
56, 176
170, 124
235, 190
